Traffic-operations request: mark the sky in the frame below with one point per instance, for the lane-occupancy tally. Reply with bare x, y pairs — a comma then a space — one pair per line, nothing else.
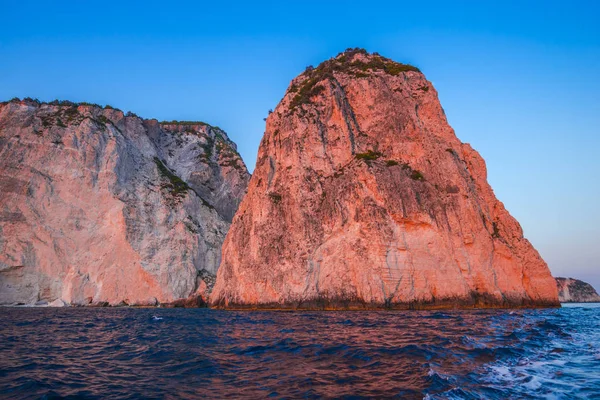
519, 81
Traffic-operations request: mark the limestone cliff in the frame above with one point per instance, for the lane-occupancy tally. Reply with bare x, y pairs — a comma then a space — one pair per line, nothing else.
363, 197
98, 207
575, 291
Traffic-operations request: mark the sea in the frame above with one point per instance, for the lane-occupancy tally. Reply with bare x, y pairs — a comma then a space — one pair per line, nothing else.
155, 353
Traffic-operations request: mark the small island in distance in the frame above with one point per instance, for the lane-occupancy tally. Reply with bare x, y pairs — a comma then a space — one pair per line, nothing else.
572, 290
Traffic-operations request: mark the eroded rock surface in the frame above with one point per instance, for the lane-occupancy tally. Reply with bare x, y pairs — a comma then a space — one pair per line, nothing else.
98, 208
572, 290
363, 197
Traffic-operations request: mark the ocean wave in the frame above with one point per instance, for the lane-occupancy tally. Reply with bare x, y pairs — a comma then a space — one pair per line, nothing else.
191, 353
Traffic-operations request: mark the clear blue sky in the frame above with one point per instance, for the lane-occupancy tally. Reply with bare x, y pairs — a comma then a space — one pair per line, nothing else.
519, 80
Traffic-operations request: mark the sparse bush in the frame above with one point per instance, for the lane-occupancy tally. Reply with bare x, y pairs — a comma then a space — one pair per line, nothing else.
175, 185
84, 103
368, 156
342, 63
417, 175
275, 197
31, 100
62, 103
173, 122
306, 92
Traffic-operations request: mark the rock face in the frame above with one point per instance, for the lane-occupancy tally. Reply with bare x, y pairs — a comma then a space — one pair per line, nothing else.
575, 291
363, 197
98, 207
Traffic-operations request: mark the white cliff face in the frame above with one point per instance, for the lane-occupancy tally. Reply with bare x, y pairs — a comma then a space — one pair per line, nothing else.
207, 160
97, 207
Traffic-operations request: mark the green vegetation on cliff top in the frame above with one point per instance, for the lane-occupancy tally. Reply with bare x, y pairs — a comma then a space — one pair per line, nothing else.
344, 63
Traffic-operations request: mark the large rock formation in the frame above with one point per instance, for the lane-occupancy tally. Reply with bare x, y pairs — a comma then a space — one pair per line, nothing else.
575, 291
98, 207
363, 197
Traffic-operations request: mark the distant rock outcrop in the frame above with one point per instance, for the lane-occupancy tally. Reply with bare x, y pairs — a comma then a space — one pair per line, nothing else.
575, 291
363, 197
98, 207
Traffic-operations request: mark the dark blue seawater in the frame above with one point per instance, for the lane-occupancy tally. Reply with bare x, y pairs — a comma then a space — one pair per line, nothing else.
191, 353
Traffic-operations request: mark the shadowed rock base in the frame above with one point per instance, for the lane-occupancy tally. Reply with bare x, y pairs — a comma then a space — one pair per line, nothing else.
340, 304
190, 302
